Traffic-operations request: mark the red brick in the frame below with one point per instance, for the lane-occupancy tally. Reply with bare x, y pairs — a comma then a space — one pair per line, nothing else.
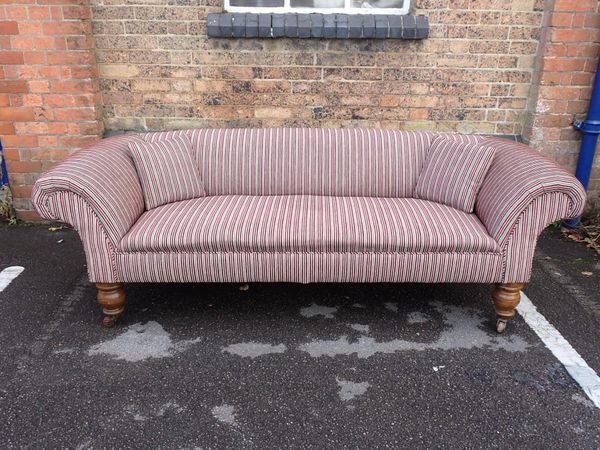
578, 20
551, 78
16, 114
591, 65
77, 141
564, 64
10, 71
39, 86
13, 86
56, 13
15, 12
581, 79
75, 114
73, 86
575, 5
63, 28
34, 57
30, 28
76, 12
7, 27
55, 100
84, 72
47, 141
589, 51
24, 166
4, 100
32, 100
39, 12
20, 141
16, 100
39, 154
26, 72
60, 43
43, 43
22, 43
58, 155
89, 129
592, 21
555, 49
78, 43
6, 128
71, 57
577, 106
573, 35
87, 100
11, 57
21, 191
44, 128
9, 152
43, 113
49, 72
561, 19
559, 92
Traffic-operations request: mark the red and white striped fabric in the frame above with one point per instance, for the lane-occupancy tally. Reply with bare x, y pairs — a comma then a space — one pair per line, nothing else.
304, 267
302, 161
307, 205
523, 193
306, 223
96, 191
167, 170
519, 249
517, 176
104, 176
454, 172
98, 247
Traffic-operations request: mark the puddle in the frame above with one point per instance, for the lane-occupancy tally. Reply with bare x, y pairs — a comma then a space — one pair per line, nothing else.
140, 342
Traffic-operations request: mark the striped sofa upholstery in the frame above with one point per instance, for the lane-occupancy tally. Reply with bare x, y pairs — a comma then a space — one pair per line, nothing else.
307, 205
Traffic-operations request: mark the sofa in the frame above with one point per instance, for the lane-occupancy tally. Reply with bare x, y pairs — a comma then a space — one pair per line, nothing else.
308, 205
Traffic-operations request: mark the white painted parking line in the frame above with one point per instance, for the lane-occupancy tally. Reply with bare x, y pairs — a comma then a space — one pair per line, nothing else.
563, 351
9, 274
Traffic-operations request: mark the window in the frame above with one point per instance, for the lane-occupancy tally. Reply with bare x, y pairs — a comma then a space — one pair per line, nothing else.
319, 6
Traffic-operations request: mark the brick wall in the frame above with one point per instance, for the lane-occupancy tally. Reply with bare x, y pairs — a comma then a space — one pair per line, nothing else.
562, 82
520, 67
159, 70
49, 96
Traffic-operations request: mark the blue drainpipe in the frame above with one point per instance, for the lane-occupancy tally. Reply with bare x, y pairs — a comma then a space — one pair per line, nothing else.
590, 128
3, 171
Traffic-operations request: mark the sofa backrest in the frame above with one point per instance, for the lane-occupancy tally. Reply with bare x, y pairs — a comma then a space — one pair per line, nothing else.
288, 161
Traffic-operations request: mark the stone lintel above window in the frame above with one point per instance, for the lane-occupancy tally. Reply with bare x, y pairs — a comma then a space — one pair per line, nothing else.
315, 25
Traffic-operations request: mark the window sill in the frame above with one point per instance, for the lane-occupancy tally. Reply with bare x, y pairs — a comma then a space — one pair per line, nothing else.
316, 25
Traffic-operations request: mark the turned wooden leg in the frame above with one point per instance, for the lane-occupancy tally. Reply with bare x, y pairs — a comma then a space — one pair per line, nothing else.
111, 297
506, 298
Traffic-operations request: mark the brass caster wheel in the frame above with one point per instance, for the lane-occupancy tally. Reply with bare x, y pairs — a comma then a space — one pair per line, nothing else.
109, 321
501, 325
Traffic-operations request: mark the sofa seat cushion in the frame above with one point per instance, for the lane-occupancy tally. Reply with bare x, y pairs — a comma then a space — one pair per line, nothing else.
304, 223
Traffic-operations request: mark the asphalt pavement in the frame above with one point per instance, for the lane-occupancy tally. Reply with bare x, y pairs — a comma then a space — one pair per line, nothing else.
289, 366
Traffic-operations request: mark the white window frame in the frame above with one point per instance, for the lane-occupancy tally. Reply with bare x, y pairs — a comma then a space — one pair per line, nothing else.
347, 9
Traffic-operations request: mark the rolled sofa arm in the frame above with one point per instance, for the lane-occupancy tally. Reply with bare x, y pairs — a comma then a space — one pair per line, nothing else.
97, 191
522, 194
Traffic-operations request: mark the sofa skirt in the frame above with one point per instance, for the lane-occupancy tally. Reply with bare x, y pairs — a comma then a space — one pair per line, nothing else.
309, 267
